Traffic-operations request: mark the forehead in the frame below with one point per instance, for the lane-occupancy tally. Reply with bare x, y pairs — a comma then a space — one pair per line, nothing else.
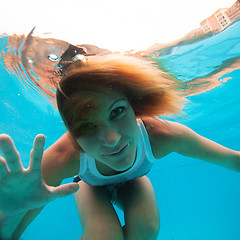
101, 98
91, 104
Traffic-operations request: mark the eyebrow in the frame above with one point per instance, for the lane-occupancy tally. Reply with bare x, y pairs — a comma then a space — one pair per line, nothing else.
110, 107
116, 101
83, 120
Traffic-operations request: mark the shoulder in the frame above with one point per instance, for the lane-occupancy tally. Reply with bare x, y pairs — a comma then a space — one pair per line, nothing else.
165, 136
161, 127
60, 161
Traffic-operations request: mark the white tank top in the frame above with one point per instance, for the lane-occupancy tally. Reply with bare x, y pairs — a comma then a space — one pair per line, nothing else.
143, 164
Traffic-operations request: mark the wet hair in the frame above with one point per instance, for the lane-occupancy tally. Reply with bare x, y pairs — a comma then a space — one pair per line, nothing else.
150, 91
68, 57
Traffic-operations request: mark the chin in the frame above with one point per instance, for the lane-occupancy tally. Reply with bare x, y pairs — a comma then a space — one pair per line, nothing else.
125, 164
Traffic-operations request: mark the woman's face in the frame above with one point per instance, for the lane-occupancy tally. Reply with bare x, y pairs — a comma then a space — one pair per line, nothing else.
110, 131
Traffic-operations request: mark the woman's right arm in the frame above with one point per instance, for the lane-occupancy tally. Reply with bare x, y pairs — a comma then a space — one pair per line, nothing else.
24, 192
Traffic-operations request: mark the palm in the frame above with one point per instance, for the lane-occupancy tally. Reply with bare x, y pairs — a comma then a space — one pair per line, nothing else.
24, 189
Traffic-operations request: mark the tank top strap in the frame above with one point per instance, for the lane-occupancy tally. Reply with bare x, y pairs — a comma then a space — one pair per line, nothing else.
146, 141
83, 164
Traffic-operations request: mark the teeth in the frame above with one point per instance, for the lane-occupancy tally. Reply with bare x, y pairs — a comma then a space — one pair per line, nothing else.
117, 151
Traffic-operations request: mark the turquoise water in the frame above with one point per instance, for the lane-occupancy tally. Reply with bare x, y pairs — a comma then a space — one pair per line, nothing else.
197, 200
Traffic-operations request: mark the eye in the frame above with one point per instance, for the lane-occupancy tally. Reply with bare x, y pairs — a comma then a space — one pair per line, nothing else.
84, 129
87, 126
116, 112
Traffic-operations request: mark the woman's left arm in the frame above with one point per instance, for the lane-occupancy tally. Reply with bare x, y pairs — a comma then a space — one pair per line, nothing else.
191, 144
167, 137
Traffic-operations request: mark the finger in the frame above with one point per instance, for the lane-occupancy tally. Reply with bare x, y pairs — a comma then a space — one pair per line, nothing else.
10, 153
64, 190
37, 152
3, 167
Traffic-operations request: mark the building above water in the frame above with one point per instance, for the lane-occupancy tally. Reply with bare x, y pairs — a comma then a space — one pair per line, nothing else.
221, 19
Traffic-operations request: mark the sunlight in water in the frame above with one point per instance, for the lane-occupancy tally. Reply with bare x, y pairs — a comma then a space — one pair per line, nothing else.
196, 200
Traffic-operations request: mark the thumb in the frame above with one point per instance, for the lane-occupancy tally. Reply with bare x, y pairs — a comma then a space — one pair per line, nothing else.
64, 190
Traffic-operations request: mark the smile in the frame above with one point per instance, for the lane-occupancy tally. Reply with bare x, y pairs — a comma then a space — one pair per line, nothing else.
119, 152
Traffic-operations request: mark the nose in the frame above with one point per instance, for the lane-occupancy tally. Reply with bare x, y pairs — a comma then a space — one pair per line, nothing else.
109, 136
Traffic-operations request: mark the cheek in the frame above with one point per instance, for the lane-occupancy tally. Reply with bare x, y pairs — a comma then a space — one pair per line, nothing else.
88, 144
129, 125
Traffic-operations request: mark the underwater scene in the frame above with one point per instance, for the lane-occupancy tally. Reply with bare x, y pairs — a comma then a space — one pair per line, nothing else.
197, 200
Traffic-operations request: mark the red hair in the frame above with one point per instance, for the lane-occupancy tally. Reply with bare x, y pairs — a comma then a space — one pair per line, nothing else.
150, 91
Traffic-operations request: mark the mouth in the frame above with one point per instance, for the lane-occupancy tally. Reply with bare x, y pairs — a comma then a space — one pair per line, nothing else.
119, 152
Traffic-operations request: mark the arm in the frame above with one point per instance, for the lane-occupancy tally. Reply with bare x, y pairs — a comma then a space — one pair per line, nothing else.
25, 191
193, 145
59, 161
167, 137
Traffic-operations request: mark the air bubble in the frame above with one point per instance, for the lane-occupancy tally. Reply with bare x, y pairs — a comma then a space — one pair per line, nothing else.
53, 57
79, 57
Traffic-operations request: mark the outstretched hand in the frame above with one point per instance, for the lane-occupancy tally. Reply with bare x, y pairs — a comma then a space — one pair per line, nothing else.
24, 189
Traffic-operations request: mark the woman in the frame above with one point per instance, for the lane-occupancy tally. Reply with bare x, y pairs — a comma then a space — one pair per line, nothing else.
108, 105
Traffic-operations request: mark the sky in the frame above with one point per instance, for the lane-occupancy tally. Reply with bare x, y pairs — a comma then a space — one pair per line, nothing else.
116, 25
